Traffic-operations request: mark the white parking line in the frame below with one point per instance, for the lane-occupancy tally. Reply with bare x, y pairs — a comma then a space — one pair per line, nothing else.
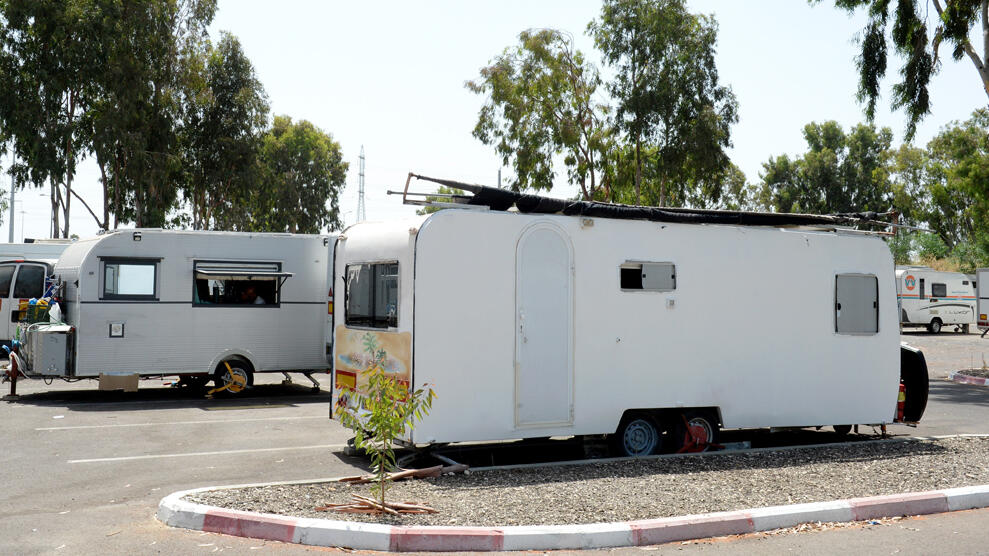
195, 454
122, 425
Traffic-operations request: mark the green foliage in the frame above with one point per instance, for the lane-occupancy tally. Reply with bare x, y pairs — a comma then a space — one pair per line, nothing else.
442, 190
540, 104
226, 115
46, 52
901, 246
149, 50
930, 246
839, 173
380, 411
917, 44
303, 173
669, 103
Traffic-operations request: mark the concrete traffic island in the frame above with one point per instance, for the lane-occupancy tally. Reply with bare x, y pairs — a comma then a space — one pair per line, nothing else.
177, 512
963, 378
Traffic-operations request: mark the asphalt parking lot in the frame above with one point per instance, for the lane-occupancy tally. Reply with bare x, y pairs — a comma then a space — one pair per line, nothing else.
86, 469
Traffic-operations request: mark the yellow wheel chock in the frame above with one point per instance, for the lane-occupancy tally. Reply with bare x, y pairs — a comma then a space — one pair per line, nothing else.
236, 384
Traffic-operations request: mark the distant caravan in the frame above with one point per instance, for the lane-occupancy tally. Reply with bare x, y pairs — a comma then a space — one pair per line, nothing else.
933, 299
535, 317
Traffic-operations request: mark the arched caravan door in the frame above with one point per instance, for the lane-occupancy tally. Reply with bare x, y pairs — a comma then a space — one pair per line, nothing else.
543, 327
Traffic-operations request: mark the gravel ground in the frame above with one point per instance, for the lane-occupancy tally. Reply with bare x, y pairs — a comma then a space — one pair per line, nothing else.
647, 488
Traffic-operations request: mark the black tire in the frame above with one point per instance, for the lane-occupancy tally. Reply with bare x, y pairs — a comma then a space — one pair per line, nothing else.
637, 435
842, 430
705, 419
916, 383
935, 326
239, 368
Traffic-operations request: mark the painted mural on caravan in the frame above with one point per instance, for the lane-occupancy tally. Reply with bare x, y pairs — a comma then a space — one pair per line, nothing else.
358, 350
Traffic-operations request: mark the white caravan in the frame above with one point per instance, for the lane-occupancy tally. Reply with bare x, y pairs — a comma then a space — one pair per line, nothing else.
934, 299
538, 325
201, 305
34, 249
982, 292
20, 281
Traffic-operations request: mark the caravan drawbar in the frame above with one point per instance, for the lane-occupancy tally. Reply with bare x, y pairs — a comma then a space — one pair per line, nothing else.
531, 324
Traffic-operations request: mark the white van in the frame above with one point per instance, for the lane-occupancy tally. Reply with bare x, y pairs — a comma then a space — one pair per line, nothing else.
20, 280
935, 299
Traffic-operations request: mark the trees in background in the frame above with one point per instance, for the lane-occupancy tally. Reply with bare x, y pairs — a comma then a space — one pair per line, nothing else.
920, 47
943, 187
666, 90
840, 172
668, 129
302, 167
540, 105
176, 123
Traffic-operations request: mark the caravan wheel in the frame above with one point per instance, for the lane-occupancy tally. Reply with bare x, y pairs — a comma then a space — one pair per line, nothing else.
637, 435
238, 377
935, 326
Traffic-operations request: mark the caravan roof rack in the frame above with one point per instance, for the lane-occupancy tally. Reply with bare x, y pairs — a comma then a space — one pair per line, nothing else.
498, 199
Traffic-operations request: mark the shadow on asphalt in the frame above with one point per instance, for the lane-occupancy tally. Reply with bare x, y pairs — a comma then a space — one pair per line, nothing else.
954, 392
165, 397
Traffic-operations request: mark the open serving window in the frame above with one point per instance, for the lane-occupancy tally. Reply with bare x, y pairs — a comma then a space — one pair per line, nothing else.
238, 283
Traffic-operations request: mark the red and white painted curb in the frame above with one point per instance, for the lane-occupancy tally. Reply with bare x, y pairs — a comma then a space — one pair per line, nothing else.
956, 376
177, 512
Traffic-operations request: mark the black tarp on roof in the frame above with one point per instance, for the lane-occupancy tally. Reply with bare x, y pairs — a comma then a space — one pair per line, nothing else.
503, 199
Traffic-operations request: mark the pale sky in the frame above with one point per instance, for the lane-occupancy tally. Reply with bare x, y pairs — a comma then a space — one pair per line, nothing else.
389, 76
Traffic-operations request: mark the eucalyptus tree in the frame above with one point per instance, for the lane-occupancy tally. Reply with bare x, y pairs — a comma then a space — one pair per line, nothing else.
302, 175
226, 113
840, 172
917, 39
666, 89
46, 55
540, 104
148, 50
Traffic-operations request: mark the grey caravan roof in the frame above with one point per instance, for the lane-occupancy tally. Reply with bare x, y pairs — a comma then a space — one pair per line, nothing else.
503, 199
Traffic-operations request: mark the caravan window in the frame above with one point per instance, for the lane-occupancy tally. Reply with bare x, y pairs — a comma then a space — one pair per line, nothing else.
372, 295
6, 277
856, 304
30, 281
656, 277
238, 283
939, 290
130, 279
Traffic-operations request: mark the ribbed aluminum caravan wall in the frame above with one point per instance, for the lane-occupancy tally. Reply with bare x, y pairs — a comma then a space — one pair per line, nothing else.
171, 334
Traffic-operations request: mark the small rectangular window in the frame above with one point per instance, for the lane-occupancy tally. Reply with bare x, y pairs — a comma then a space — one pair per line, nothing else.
964, 282
372, 295
6, 277
657, 277
134, 280
939, 290
30, 281
856, 305
237, 283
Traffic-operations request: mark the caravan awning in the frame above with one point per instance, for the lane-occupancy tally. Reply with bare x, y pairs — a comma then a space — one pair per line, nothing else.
240, 271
